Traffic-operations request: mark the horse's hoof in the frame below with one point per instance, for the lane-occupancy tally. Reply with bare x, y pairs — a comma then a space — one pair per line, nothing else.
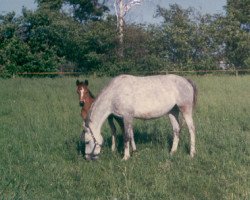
172, 153
134, 152
192, 154
125, 158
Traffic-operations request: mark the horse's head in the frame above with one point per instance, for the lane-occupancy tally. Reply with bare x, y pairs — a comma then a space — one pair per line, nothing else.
82, 90
93, 144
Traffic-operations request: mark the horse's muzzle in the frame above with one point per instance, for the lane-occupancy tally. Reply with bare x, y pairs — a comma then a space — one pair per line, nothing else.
91, 157
81, 103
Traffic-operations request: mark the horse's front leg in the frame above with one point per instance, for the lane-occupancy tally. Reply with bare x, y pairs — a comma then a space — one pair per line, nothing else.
131, 137
128, 130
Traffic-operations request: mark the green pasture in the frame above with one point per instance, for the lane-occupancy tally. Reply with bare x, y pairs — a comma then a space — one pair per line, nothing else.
41, 158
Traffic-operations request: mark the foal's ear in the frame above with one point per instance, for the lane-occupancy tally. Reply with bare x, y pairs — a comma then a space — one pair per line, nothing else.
86, 82
77, 82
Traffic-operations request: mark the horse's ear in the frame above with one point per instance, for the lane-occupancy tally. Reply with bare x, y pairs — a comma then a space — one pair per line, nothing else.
77, 82
86, 82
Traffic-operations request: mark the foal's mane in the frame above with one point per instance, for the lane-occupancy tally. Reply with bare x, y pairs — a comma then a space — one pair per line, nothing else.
91, 94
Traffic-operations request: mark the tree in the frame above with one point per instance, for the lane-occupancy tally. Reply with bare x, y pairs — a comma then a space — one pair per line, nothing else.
84, 10
81, 10
178, 30
55, 5
122, 7
27, 44
236, 27
239, 10
100, 46
187, 38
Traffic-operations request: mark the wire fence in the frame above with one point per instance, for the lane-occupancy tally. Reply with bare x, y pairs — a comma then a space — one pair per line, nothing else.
235, 72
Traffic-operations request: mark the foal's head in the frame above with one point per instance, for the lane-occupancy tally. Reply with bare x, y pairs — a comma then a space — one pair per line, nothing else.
83, 91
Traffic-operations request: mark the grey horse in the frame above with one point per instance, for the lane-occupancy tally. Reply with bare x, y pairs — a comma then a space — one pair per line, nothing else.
147, 97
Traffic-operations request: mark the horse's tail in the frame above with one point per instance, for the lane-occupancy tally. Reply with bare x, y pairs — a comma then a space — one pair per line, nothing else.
195, 92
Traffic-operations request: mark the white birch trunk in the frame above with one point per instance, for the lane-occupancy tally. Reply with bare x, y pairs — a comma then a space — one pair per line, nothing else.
121, 9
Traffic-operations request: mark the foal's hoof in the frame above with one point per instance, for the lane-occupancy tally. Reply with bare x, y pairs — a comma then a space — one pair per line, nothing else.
113, 149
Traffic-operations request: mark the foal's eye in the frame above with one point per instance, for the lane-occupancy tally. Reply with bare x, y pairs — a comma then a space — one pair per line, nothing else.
87, 142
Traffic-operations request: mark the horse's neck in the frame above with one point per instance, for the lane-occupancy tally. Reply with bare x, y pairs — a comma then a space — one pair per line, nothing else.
99, 113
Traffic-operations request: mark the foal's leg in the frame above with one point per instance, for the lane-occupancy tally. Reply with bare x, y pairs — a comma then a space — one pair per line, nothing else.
82, 133
113, 131
127, 136
187, 114
173, 116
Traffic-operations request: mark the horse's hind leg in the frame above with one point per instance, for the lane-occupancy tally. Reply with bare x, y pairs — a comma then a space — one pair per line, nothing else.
173, 116
132, 141
113, 131
127, 136
187, 114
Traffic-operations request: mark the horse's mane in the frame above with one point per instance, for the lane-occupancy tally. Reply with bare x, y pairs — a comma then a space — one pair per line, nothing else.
99, 97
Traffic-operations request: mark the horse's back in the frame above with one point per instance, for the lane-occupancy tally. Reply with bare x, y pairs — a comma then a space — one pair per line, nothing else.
147, 79
147, 96
163, 83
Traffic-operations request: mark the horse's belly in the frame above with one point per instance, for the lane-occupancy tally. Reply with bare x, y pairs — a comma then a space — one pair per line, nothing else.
149, 115
144, 104
145, 111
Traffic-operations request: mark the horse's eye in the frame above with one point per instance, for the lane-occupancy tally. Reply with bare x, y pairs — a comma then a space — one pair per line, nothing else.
87, 142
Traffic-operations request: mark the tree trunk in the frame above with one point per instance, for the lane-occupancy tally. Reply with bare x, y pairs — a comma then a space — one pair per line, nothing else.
121, 29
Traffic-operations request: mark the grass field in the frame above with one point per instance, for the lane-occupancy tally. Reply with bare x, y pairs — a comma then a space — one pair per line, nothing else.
40, 126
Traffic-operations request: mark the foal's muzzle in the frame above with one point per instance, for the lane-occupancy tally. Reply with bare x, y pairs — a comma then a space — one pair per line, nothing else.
81, 103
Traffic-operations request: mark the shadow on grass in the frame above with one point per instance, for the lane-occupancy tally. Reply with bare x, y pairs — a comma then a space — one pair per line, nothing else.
142, 138
77, 147
80, 148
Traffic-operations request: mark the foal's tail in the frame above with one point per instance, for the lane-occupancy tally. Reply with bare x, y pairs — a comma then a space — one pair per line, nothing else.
195, 92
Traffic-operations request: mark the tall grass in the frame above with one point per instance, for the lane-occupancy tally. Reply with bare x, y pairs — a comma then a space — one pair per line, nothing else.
40, 154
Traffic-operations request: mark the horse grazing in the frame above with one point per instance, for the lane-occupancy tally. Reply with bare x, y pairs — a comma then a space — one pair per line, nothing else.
148, 97
86, 99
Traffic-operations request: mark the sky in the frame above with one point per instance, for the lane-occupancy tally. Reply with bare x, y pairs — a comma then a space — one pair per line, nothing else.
142, 14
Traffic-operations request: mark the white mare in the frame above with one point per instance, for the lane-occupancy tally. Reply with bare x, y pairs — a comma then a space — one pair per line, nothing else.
148, 97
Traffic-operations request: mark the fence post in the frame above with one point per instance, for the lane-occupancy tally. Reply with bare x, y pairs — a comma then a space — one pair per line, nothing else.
236, 72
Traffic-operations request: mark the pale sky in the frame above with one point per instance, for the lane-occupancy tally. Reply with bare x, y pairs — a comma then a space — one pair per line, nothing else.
143, 13
15, 5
